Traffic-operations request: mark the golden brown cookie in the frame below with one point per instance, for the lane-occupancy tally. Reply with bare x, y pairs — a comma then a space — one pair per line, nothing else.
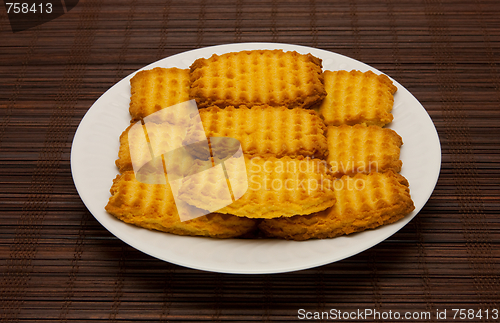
355, 97
152, 206
364, 201
156, 89
159, 138
362, 149
268, 131
257, 77
276, 187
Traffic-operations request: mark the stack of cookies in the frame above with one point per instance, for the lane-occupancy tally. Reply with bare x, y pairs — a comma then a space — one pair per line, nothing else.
318, 160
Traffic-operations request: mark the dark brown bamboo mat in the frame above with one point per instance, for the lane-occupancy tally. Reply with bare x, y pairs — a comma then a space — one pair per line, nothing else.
58, 264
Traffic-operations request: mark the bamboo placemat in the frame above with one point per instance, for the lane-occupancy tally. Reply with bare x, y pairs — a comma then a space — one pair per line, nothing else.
59, 264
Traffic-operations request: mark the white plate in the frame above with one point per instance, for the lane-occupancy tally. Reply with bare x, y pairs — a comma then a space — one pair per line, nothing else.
95, 148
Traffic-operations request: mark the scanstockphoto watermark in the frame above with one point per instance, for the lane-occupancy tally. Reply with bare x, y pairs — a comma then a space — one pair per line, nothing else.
313, 165
352, 167
293, 181
362, 314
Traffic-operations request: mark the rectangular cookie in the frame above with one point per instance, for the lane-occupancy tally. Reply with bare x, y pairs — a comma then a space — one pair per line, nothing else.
276, 187
152, 206
365, 201
355, 97
362, 149
257, 77
147, 139
268, 131
156, 89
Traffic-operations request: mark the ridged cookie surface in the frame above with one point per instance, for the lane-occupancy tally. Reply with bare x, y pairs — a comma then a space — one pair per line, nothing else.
257, 77
276, 187
124, 161
365, 201
356, 97
152, 206
268, 131
156, 89
362, 149
160, 137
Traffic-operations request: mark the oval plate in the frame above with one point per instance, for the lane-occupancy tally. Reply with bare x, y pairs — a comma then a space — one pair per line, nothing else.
95, 148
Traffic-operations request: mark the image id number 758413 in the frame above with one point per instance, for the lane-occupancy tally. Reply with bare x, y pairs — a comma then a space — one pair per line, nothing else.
470, 314
23, 7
